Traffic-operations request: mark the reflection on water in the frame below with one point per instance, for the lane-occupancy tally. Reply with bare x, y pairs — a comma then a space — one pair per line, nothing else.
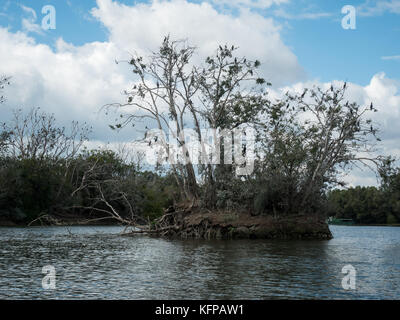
96, 263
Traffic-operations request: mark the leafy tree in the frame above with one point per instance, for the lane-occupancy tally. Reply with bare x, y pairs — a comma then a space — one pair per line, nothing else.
370, 205
36, 163
108, 186
306, 141
303, 140
172, 91
363, 205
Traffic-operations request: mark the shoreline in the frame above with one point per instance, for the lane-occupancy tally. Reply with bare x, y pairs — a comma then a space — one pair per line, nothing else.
219, 220
59, 222
200, 224
367, 225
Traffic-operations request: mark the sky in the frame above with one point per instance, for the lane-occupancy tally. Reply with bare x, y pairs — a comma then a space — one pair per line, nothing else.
70, 69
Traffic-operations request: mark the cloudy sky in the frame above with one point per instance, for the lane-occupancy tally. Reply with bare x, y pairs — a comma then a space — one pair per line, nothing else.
71, 71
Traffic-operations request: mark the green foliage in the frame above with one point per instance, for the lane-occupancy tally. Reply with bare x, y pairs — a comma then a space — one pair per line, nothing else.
370, 205
391, 219
85, 184
303, 140
364, 205
30, 186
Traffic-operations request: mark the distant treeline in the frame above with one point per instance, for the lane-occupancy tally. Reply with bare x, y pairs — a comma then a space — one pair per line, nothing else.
369, 205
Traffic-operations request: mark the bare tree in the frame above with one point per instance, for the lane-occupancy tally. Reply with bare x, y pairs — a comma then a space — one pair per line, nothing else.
107, 191
35, 136
4, 135
174, 92
163, 93
3, 82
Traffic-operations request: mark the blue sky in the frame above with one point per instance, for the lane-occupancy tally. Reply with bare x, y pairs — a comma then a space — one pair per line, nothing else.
327, 51
74, 22
323, 47
70, 71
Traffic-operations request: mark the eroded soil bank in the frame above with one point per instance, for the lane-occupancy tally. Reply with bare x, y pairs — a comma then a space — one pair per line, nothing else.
198, 224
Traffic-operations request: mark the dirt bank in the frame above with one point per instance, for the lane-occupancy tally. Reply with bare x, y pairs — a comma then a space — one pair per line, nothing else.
203, 224
198, 224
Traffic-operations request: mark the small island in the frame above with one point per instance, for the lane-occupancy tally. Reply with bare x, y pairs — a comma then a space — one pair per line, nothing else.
218, 158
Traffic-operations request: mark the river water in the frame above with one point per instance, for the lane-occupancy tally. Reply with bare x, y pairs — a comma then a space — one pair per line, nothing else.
97, 263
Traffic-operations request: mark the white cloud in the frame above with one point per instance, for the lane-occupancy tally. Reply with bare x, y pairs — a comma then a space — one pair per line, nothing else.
29, 11
301, 16
28, 24
256, 4
378, 7
75, 81
361, 177
391, 57
384, 93
72, 82
143, 26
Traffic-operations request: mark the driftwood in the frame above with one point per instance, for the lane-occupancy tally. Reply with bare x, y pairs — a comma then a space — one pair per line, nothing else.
151, 231
170, 221
47, 218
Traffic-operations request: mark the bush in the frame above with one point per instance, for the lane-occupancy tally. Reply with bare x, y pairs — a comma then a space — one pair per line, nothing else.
391, 219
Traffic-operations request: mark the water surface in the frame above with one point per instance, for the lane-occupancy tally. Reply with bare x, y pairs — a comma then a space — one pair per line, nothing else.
97, 263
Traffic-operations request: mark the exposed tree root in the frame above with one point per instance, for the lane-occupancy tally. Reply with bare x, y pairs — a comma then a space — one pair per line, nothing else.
200, 224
